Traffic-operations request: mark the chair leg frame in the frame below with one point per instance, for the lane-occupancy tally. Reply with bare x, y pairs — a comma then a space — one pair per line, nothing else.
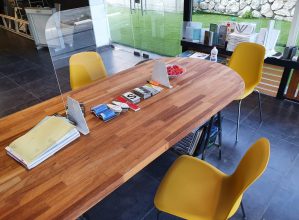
207, 139
219, 134
260, 105
239, 112
243, 211
158, 214
238, 120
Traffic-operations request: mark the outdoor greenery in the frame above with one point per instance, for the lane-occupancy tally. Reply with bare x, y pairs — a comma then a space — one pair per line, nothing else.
160, 32
247, 15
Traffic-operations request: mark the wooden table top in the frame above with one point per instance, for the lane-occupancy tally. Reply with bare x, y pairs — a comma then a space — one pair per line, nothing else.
84, 172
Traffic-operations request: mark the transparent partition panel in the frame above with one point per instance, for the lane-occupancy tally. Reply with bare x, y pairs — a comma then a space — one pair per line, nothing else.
80, 42
27, 78
68, 33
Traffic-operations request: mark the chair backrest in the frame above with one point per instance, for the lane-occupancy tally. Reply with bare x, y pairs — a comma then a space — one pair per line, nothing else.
252, 165
250, 168
86, 67
247, 60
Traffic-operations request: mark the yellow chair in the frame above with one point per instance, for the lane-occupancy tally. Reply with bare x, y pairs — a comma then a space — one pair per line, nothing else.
247, 60
194, 189
86, 67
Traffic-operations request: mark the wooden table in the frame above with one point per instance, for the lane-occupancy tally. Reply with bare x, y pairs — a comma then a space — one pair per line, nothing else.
83, 173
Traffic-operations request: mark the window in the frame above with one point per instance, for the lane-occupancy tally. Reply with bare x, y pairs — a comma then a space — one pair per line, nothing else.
252, 11
153, 26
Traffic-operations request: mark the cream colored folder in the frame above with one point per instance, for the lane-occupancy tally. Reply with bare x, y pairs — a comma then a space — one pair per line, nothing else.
41, 138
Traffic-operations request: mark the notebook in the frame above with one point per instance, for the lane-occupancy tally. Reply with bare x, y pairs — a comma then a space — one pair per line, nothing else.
45, 139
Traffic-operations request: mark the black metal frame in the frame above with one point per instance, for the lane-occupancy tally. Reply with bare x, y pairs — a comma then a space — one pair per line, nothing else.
207, 128
188, 7
287, 64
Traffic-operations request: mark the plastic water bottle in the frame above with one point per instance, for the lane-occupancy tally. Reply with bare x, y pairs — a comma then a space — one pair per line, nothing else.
214, 53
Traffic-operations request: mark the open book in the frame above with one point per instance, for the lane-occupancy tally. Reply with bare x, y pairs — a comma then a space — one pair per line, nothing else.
199, 55
42, 141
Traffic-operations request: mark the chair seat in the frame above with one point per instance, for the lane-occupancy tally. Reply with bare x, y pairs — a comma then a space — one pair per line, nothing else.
189, 189
249, 88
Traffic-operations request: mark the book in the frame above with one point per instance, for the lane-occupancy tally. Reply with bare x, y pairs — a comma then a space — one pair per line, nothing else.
44, 140
142, 93
208, 39
196, 35
130, 96
124, 107
188, 28
104, 112
222, 36
199, 55
215, 29
130, 104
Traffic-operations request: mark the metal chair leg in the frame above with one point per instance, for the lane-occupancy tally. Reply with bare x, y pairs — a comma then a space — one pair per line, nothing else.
238, 121
243, 211
219, 134
260, 105
158, 214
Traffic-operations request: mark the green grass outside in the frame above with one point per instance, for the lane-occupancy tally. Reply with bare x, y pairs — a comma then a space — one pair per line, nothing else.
161, 32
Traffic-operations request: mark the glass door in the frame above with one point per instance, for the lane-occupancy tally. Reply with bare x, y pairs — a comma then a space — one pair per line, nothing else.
147, 26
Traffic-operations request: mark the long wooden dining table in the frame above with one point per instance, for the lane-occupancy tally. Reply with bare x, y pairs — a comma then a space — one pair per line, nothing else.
83, 173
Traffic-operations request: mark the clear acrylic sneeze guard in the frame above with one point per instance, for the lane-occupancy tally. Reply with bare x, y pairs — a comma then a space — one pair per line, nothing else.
87, 34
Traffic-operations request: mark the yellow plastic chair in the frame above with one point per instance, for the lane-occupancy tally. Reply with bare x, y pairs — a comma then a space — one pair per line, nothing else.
194, 189
86, 67
247, 60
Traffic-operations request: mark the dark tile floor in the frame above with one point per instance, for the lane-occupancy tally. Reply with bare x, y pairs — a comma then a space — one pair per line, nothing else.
27, 75
26, 78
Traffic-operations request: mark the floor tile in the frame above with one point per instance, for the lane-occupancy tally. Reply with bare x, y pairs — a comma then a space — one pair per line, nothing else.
257, 198
30, 75
17, 67
9, 59
282, 205
283, 155
7, 84
248, 105
131, 201
44, 88
228, 127
15, 100
158, 168
291, 178
232, 151
163, 216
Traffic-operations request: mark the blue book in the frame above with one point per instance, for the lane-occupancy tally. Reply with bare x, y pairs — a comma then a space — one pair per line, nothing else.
196, 34
104, 112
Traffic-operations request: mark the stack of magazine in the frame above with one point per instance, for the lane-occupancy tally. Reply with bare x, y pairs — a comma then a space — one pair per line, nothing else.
189, 143
45, 139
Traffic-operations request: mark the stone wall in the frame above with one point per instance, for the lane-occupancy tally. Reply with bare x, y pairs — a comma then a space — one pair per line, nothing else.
277, 9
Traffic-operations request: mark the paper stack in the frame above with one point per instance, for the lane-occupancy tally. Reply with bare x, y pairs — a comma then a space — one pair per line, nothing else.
199, 55
45, 139
234, 39
243, 32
